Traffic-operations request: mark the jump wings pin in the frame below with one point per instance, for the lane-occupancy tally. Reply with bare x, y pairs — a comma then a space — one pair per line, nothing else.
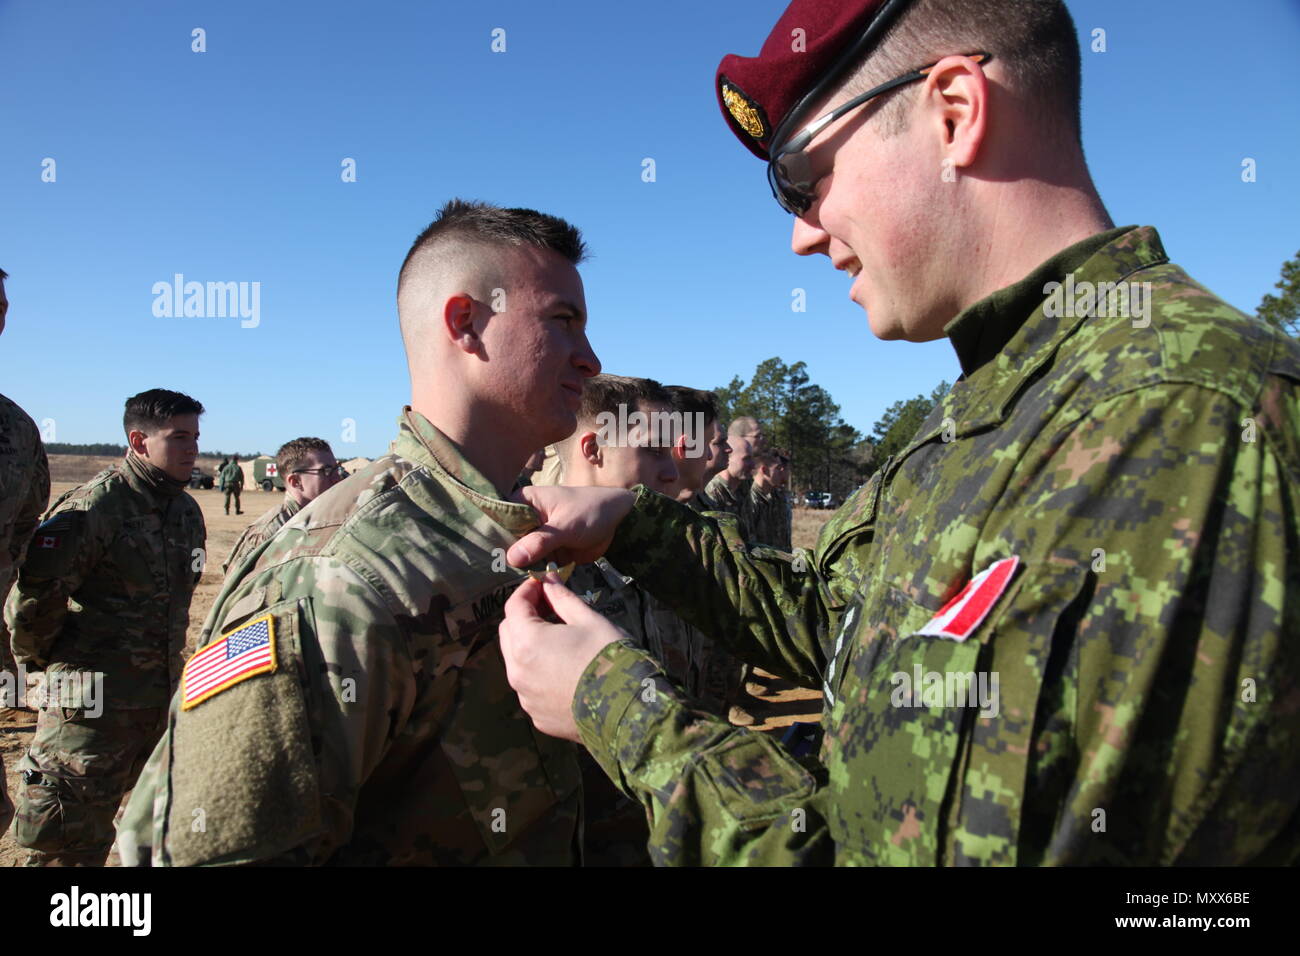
243, 653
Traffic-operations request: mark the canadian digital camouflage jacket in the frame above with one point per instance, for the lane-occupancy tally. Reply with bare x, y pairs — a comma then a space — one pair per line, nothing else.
1144, 472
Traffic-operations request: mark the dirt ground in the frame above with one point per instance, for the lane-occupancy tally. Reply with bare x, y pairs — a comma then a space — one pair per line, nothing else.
778, 702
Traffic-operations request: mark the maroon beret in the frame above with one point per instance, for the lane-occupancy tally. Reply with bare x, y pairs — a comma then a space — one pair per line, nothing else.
810, 47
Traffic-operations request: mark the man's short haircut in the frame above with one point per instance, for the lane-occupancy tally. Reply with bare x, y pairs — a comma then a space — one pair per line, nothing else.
605, 393
3, 275
479, 222
293, 454
1034, 40
150, 411
692, 401
742, 426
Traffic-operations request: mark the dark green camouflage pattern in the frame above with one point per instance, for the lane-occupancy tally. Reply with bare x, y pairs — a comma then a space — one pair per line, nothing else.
706, 671
1147, 476
388, 735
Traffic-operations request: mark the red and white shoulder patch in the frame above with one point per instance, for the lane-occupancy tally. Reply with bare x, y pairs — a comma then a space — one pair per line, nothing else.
959, 618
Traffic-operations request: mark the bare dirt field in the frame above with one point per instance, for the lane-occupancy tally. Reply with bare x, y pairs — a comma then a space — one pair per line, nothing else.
778, 703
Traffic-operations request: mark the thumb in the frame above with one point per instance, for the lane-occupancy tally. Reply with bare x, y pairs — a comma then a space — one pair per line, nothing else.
568, 607
525, 604
532, 547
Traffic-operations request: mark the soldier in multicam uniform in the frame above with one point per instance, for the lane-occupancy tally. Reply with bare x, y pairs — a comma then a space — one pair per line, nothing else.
1103, 514
769, 509
24, 493
101, 605
729, 489
309, 469
349, 703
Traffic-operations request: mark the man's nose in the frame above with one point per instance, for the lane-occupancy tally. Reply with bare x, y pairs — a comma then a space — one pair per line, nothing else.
807, 239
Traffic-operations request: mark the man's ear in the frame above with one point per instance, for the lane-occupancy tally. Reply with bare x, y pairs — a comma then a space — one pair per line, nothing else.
135, 441
589, 446
958, 92
458, 321
679, 448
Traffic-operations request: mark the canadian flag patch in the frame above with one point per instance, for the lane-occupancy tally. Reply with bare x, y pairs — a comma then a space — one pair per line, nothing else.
958, 618
49, 541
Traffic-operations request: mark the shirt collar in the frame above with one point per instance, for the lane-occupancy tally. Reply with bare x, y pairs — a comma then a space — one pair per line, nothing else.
420, 441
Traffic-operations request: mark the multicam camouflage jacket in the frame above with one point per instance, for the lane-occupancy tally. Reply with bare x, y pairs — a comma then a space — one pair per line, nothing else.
352, 706
769, 518
1139, 654
705, 670
24, 486
24, 494
730, 502
263, 529
106, 585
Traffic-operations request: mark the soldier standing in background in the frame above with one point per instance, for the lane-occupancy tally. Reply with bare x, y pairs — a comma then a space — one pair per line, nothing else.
769, 509
24, 493
101, 605
232, 482
1097, 529
309, 469
353, 664
693, 452
729, 489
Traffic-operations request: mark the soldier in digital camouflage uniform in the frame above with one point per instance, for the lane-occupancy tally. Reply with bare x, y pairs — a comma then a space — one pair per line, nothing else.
694, 453
1103, 513
101, 605
309, 469
24, 493
349, 703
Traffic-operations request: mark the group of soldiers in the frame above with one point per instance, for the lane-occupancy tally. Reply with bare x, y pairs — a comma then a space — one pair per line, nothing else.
433, 662
97, 615
102, 585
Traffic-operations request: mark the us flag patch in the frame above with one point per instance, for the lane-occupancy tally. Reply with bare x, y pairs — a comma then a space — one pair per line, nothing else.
243, 653
965, 612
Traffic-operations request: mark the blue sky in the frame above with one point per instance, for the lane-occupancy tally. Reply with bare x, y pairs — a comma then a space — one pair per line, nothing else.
225, 166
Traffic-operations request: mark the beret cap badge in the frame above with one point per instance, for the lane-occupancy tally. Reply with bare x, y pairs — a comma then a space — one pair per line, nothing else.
747, 113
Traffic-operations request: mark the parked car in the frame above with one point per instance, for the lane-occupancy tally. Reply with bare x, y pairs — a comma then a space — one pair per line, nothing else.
199, 480
818, 499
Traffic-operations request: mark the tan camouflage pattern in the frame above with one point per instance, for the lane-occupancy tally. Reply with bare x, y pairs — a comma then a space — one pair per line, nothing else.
1147, 478
263, 529
106, 585
388, 735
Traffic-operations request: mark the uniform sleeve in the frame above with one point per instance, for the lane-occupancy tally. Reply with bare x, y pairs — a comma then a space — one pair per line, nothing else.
1167, 710
714, 794
273, 764
769, 607
36, 498
63, 551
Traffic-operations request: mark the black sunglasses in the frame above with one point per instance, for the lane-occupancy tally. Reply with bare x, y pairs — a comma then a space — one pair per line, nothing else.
789, 173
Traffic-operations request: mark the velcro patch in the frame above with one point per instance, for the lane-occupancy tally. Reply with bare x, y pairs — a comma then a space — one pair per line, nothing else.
958, 619
243, 653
